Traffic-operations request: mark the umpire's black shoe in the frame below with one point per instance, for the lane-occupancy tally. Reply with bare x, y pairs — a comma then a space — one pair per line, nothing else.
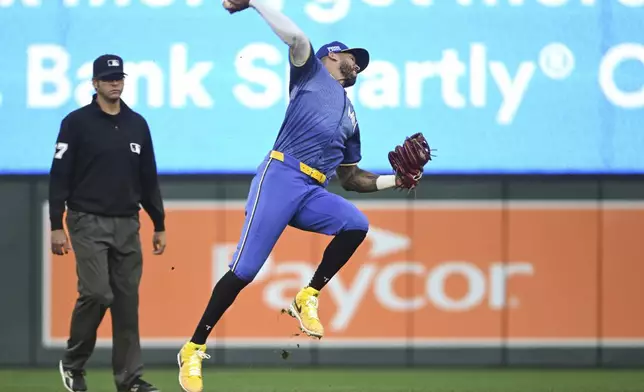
139, 385
73, 380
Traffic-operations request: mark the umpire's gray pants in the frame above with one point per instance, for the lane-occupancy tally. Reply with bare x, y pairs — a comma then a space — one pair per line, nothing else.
109, 266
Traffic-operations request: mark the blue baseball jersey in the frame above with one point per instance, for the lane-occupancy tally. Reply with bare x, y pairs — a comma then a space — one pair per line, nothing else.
320, 127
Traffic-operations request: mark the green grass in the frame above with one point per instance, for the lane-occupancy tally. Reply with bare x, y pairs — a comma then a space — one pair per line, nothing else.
377, 380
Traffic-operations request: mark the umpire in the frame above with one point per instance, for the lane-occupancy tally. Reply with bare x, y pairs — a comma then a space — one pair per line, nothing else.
103, 168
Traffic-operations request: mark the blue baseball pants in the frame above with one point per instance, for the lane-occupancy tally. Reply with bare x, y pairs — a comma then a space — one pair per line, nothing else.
281, 195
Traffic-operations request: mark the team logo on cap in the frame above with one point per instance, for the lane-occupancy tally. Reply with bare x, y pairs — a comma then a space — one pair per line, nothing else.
113, 63
334, 48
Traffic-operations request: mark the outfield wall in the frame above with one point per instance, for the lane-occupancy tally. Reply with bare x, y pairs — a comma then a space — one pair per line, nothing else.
468, 271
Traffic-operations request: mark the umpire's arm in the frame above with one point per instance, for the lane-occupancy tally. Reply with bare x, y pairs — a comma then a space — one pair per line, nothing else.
61, 173
151, 193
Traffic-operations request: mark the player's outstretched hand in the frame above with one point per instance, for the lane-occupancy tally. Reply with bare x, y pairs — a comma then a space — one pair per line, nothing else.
233, 6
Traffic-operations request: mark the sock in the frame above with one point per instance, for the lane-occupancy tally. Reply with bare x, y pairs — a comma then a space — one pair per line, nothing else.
223, 295
336, 255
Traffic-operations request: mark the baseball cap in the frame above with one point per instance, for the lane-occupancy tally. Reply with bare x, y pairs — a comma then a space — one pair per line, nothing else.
361, 55
108, 65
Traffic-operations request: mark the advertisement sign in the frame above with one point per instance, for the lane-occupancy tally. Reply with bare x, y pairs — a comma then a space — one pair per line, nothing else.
473, 274
505, 86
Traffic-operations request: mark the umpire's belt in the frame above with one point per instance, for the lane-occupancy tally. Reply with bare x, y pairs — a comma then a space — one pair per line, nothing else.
304, 168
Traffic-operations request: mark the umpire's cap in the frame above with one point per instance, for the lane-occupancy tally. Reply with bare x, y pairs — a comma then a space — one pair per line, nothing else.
108, 67
361, 55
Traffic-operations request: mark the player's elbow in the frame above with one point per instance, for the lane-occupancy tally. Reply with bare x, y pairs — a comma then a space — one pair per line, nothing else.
301, 40
347, 187
300, 48
346, 175
345, 182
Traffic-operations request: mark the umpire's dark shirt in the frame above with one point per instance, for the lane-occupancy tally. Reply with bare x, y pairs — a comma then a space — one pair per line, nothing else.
104, 164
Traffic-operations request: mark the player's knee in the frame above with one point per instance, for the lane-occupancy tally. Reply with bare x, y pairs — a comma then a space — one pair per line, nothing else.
357, 221
247, 266
244, 275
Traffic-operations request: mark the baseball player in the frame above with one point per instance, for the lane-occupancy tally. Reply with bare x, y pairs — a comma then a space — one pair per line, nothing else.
319, 137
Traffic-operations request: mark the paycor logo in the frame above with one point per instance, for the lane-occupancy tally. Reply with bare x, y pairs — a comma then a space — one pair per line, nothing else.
374, 283
409, 283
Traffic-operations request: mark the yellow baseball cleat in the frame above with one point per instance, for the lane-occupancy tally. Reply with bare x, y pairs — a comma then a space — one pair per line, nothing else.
305, 309
189, 359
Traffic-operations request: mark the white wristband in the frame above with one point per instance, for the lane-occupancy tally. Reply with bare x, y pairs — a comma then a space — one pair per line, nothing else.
384, 182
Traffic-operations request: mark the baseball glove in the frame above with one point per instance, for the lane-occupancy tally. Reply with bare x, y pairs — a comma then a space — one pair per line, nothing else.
409, 159
233, 6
